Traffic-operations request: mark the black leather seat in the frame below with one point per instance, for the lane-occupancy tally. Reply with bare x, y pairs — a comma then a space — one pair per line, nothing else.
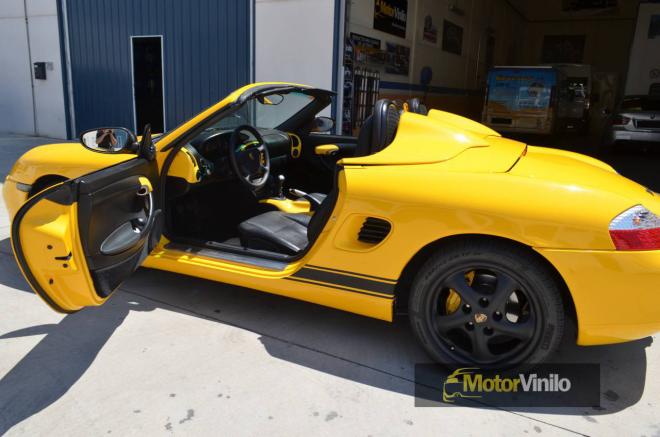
275, 231
379, 129
292, 233
285, 233
377, 132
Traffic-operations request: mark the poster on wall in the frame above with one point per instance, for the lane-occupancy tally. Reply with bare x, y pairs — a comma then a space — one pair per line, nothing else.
398, 59
654, 27
430, 32
391, 16
365, 41
560, 49
452, 38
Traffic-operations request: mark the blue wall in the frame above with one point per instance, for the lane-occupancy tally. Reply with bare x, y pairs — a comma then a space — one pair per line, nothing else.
206, 47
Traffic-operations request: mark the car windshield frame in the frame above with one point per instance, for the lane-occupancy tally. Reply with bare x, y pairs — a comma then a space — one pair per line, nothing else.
257, 112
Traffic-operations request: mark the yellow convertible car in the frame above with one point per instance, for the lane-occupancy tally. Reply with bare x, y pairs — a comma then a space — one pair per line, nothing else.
489, 245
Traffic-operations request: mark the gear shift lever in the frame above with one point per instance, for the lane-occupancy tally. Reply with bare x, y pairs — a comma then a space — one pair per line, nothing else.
279, 186
314, 203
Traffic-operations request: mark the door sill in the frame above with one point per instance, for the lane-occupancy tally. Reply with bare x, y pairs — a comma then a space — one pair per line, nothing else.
223, 252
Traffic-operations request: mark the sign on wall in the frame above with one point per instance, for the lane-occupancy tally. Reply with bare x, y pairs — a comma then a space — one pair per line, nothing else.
452, 38
654, 27
365, 41
430, 31
558, 49
391, 16
398, 59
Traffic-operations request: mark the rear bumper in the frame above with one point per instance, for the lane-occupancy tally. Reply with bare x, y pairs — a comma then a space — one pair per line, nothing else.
622, 136
616, 294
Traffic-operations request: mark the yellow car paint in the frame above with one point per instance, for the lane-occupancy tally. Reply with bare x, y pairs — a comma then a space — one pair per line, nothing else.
616, 293
55, 257
462, 123
291, 206
326, 149
70, 160
184, 166
442, 176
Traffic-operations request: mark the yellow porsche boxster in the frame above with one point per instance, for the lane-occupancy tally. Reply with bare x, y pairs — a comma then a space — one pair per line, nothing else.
489, 245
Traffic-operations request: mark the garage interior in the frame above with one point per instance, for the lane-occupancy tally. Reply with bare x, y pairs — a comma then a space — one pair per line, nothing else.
442, 51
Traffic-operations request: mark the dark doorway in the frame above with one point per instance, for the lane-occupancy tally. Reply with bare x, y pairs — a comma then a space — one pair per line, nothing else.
148, 83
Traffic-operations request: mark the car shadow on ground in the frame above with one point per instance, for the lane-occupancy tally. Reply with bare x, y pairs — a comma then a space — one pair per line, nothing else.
348, 346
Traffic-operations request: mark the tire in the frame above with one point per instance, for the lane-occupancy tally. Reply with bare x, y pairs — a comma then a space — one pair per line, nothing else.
516, 317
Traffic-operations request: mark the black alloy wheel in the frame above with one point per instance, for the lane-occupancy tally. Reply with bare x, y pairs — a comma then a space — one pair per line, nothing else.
486, 304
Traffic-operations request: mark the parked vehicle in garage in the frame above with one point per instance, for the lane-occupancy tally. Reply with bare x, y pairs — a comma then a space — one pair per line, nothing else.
488, 244
636, 122
525, 99
575, 97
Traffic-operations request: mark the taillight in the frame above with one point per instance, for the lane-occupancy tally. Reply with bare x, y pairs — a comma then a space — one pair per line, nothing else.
636, 229
620, 120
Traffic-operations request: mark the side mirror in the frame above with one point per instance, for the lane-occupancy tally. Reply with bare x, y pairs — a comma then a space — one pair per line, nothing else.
109, 140
323, 124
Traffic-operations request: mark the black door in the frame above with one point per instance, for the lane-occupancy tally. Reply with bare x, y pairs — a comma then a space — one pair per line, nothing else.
148, 83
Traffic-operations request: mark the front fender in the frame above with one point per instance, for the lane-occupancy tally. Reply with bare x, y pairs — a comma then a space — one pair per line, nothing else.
70, 160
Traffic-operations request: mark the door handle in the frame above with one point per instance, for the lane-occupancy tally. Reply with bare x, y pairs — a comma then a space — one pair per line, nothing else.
146, 192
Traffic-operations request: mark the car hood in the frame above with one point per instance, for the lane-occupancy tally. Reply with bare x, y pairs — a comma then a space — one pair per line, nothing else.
70, 160
459, 143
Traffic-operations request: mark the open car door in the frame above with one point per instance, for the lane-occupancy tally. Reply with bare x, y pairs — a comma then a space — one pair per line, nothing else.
77, 241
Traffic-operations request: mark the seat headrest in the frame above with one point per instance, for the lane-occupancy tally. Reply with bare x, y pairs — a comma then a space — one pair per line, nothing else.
415, 106
379, 129
385, 123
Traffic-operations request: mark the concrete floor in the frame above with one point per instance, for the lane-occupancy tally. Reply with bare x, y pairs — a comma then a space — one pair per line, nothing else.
172, 355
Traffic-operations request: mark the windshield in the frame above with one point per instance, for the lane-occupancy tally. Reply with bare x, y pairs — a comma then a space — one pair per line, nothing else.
266, 112
640, 104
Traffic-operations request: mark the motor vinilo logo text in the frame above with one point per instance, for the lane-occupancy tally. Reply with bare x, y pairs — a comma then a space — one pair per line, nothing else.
468, 382
385, 8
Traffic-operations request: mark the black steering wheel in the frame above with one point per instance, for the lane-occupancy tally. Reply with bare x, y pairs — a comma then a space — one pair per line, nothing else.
249, 158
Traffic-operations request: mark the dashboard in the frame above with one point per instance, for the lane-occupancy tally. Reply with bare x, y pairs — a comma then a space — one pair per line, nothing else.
207, 156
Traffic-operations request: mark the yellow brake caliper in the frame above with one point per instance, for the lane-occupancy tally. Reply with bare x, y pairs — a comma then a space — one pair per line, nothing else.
454, 299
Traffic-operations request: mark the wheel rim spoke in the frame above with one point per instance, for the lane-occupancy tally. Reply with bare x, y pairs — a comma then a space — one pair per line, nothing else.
480, 346
505, 287
455, 320
520, 331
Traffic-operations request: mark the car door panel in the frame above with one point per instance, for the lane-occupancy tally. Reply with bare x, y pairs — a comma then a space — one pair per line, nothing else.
76, 242
346, 144
313, 173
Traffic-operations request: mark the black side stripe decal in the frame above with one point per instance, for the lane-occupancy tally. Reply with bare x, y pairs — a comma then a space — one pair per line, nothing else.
378, 278
337, 287
340, 279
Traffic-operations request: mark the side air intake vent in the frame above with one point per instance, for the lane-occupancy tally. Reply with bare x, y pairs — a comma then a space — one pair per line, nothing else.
374, 230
